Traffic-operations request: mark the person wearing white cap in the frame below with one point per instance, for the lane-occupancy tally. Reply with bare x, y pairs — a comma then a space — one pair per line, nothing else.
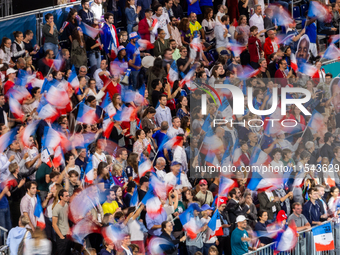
282, 143
240, 238
11, 74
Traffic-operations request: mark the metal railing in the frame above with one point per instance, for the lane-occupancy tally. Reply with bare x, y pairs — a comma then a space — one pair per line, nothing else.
4, 249
305, 244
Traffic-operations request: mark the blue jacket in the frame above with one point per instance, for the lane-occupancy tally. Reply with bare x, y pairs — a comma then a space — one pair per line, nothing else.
131, 16
15, 236
86, 17
106, 38
311, 211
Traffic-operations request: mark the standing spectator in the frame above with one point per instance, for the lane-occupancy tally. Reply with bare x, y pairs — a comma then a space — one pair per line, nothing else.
167, 8
161, 44
39, 244
239, 237
270, 46
72, 24
50, 32
18, 46
257, 21
43, 179
102, 70
85, 14
204, 196
60, 223
300, 220
221, 34
144, 5
244, 9
184, 29
5, 213
175, 34
78, 51
194, 7
6, 52
234, 208
209, 24
311, 209
195, 25
18, 234
93, 47
163, 22
311, 32
109, 36
145, 27
134, 53
97, 9
131, 16
254, 47
268, 20
280, 75
177, 10
28, 203
261, 228
167, 234
295, 40
233, 10
269, 202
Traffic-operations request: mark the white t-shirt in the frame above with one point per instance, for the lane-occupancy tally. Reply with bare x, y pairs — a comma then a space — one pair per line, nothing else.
211, 240
163, 22
96, 159
134, 230
128, 252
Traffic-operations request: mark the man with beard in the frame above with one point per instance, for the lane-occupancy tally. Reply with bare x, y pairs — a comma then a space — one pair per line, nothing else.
175, 51
131, 50
174, 31
264, 73
85, 14
97, 9
109, 36
236, 63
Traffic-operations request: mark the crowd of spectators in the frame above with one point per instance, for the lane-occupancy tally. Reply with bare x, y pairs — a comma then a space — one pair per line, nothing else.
125, 102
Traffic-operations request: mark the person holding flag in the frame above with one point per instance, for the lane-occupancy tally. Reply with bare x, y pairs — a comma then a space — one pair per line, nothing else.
240, 238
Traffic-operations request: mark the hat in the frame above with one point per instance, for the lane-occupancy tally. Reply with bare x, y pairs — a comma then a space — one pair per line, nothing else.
280, 132
240, 218
133, 35
143, 179
221, 201
10, 70
121, 48
148, 61
203, 182
174, 163
148, 10
281, 216
206, 207
224, 52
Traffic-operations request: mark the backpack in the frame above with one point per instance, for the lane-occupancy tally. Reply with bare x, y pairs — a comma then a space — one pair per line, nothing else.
22, 244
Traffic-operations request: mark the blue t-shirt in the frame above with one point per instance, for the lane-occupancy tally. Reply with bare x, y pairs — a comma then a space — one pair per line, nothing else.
206, 3
195, 7
159, 137
238, 247
130, 50
311, 31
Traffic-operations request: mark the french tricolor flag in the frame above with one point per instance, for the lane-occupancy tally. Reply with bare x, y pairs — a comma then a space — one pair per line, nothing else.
73, 80
293, 62
174, 142
188, 221
86, 114
39, 214
237, 153
316, 123
332, 52
89, 177
144, 44
214, 226
225, 185
16, 108
154, 207
160, 188
211, 159
173, 73
58, 157
107, 127
112, 234
57, 97
144, 167
287, 240
90, 31
155, 25
107, 105
83, 228
308, 69
51, 138
27, 132
186, 80
236, 48
19, 93
158, 246
47, 112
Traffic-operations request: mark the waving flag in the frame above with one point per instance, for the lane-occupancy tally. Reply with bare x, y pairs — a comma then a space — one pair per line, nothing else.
285, 39
144, 167
39, 214
126, 114
149, 195
73, 80
332, 52
187, 78
173, 143
214, 226
16, 108
293, 62
58, 157
318, 10
225, 185
83, 228
107, 127
134, 198
211, 159
282, 17
155, 25
56, 63
334, 38
47, 111
112, 234
154, 207
65, 24
89, 175
188, 221
51, 138
86, 114
90, 31
143, 44
287, 240
196, 43
107, 105
317, 124
248, 72
161, 189
173, 73
57, 97
19, 93
237, 153
236, 48
159, 246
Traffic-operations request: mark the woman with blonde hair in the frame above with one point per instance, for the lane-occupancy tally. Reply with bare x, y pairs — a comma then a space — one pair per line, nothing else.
39, 244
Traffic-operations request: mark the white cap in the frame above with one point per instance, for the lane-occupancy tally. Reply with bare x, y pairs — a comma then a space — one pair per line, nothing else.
10, 70
240, 218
